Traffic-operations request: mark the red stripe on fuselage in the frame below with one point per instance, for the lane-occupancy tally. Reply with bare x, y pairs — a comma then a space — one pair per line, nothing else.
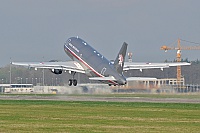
88, 65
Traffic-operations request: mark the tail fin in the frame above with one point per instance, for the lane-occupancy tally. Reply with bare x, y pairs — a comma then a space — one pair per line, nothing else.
119, 61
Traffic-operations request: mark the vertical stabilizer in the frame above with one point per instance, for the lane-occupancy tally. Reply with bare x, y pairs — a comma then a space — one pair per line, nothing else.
119, 61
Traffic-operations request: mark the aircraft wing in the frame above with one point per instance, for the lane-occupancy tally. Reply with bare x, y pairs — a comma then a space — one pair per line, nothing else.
66, 66
141, 66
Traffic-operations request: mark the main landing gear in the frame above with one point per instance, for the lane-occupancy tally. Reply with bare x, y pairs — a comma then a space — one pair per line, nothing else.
72, 81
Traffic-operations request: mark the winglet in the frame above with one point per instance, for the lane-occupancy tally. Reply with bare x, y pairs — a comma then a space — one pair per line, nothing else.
119, 61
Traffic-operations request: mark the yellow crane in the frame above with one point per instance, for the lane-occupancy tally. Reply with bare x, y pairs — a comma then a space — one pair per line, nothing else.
178, 55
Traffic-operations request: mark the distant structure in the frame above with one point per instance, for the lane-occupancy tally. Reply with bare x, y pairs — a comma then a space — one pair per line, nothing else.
130, 55
178, 55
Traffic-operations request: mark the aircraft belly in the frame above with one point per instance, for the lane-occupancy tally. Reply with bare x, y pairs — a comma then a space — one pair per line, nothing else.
69, 54
91, 74
87, 67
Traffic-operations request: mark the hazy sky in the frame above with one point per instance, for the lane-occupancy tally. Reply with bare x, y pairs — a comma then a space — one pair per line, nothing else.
35, 30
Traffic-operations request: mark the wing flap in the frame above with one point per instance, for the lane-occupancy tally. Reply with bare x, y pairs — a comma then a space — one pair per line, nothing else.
140, 78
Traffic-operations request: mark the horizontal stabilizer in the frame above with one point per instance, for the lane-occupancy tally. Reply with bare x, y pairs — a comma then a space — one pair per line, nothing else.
140, 78
102, 78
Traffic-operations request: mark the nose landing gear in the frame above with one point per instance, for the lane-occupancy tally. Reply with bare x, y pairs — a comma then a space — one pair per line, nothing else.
72, 81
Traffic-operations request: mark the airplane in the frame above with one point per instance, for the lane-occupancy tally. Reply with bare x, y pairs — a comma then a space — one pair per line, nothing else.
87, 60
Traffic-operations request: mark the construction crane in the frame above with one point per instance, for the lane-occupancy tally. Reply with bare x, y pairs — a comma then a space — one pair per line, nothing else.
178, 55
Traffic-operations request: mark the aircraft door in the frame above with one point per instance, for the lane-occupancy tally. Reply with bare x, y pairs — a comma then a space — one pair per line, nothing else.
103, 71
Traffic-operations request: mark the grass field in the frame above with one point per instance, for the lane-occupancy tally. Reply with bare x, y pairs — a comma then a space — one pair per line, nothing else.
61, 116
181, 95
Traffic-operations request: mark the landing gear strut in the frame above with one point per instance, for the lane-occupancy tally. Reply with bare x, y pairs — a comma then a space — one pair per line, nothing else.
72, 81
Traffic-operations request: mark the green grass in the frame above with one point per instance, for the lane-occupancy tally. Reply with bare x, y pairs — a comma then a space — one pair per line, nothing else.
61, 116
180, 95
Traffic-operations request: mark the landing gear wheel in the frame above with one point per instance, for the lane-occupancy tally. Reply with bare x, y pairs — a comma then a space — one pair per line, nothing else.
70, 82
74, 82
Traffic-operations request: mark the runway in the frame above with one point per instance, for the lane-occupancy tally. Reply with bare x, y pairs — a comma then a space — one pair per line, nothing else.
99, 98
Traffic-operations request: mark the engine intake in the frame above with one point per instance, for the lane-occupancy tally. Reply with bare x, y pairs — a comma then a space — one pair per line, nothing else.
56, 71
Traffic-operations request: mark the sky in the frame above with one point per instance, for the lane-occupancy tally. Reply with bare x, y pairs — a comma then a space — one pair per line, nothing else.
35, 30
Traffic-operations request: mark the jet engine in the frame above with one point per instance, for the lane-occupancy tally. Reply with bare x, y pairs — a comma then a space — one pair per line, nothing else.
56, 71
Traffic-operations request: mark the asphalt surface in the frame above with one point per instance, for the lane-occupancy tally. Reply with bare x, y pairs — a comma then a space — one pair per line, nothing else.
105, 99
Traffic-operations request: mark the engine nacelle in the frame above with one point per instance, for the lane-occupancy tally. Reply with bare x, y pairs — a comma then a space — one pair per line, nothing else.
56, 71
